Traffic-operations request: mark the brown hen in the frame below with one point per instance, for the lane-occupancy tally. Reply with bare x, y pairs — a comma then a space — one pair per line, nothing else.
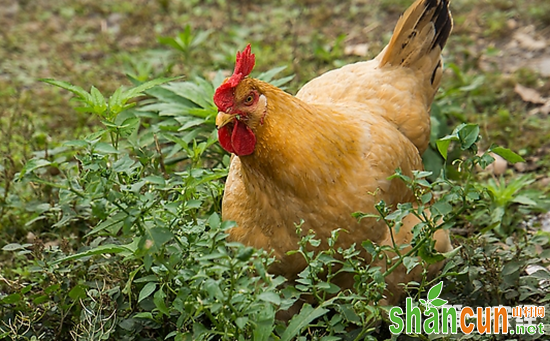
328, 152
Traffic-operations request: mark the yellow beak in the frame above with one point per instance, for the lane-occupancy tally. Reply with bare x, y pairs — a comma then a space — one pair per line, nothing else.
223, 118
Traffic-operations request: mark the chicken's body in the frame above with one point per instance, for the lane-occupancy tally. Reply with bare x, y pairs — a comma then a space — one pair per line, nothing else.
328, 152
340, 166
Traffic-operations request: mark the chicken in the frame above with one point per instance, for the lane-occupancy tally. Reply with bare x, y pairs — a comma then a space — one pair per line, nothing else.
328, 152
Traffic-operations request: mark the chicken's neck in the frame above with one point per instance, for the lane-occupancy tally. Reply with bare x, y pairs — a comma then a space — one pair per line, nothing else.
300, 147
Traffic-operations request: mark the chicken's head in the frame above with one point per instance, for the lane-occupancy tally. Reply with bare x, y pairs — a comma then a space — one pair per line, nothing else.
241, 107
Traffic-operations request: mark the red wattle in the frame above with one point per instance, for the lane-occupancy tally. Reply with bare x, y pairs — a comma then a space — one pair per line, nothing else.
243, 139
224, 136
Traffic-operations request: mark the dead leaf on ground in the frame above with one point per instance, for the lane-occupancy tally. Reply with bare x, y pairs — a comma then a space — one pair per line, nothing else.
529, 95
360, 50
543, 66
545, 109
545, 222
525, 39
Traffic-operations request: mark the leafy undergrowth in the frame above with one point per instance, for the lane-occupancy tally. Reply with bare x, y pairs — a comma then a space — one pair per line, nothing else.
110, 224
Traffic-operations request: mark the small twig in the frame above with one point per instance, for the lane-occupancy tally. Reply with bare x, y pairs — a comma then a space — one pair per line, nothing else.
161, 159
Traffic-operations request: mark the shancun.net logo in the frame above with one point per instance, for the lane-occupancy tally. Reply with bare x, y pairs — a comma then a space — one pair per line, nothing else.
441, 318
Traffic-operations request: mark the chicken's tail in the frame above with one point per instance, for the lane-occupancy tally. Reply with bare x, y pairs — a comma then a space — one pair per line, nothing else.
419, 37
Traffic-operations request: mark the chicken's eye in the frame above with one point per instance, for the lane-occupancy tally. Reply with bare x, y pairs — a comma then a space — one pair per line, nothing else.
249, 99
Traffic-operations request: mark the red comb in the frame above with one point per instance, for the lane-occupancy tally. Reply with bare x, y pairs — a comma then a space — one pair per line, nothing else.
223, 98
244, 65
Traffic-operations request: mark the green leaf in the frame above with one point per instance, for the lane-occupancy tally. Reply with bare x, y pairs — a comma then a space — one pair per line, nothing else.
507, 154
78, 292
524, 200
443, 147
129, 126
200, 37
159, 236
512, 267
213, 289
33, 165
486, 159
468, 135
245, 253
328, 287
540, 239
105, 148
241, 322
435, 291
545, 254
94, 137
148, 278
441, 208
429, 255
40, 299
192, 92
155, 179
474, 84
112, 224
303, 319
75, 143
11, 299
281, 82
81, 93
26, 289
426, 197
189, 122
543, 274
144, 315
349, 313
146, 291
410, 263
214, 221
270, 74
264, 323
109, 248
198, 330
15, 247
360, 215
116, 103
452, 253
270, 297
170, 42
227, 224
98, 103
52, 288
193, 204
138, 90
158, 299
124, 165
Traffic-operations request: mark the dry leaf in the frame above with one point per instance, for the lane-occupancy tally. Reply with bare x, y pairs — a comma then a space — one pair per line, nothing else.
520, 167
360, 50
544, 220
532, 268
543, 66
528, 42
529, 95
31, 237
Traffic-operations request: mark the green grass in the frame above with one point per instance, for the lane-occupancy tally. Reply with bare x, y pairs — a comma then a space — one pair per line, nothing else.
109, 215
